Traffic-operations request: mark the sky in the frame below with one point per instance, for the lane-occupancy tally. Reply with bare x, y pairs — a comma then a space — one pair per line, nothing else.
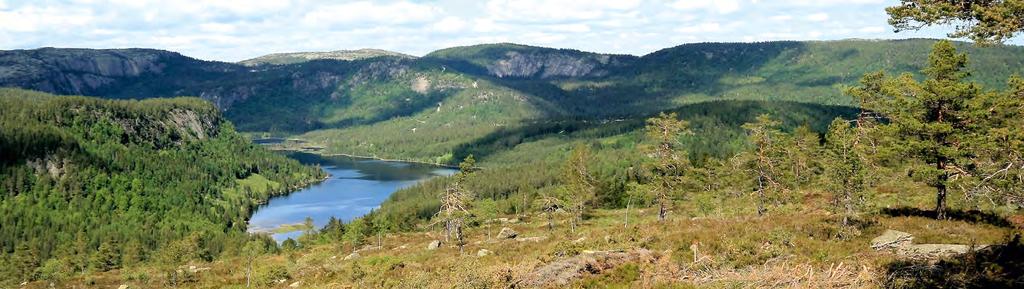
233, 30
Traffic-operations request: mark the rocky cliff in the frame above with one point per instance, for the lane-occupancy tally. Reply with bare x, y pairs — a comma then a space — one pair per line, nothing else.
79, 71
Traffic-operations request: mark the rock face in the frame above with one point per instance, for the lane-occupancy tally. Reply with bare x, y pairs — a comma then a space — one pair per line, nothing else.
891, 239
553, 63
434, 245
507, 233
80, 71
902, 244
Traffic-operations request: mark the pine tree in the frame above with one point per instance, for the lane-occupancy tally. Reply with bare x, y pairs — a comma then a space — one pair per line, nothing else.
765, 136
455, 203
844, 169
579, 185
669, 163
999, 143
982, 21
930, 121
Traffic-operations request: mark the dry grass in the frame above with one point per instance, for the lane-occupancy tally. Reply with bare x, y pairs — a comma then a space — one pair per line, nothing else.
796, 246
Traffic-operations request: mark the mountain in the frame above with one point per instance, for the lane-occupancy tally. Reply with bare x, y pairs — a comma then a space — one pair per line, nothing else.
508, 60
299, 57
81, 174
452, 97
94, 72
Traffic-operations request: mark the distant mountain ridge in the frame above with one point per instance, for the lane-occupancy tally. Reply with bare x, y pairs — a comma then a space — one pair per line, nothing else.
299, 57
453, 96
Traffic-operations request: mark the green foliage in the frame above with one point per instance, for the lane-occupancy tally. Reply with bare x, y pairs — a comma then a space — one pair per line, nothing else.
579, 189
80, 177
845, 168
669, 164
984, 22
930, 119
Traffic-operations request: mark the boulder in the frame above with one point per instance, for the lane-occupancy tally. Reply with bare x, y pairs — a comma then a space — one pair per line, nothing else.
434, 245
532, 239
932, 251
483, 252
507, 233
892, 239
296, 284
354, 255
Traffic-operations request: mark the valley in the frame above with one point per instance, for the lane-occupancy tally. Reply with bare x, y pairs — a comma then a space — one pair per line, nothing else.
781, 164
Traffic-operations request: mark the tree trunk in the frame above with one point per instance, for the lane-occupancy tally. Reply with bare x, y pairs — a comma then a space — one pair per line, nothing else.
248, 274
629, 202
940, 196
760, 194
940, 202
661, 211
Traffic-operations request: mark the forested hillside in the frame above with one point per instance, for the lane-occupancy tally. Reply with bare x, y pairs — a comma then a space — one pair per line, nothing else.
320, 93
90, 185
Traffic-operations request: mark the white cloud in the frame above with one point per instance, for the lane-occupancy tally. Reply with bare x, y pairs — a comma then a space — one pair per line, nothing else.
35, 19
449, 24
555, 10
720, 6
238, 29
872, 29
818, 17
701, 28
366, 13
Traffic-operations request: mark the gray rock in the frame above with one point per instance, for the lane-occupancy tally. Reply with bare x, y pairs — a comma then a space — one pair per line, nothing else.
434, 245
892, 239
532, 239
931, 251
483, 252
507, 233
354, 255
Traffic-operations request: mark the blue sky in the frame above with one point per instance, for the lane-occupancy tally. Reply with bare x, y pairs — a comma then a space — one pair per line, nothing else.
232, 30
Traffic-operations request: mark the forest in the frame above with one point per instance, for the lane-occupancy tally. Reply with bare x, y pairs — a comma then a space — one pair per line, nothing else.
92, 185
780, 164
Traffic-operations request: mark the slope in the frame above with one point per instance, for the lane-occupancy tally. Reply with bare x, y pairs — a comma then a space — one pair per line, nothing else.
79, 173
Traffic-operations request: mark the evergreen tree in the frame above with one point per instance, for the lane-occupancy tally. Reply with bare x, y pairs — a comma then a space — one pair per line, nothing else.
999, 143
765, 159
334, 229
669, 163
289, 244
982, 21
930, 121
107, 257
579, 185
455, 203
844, 169
25, 260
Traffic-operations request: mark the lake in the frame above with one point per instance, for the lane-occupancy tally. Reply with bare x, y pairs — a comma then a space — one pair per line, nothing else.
355, 186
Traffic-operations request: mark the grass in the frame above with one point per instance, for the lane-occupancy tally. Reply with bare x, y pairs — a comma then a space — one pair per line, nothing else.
797, 245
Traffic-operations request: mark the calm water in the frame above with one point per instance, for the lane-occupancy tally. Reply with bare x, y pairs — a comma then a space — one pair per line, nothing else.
355, 187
